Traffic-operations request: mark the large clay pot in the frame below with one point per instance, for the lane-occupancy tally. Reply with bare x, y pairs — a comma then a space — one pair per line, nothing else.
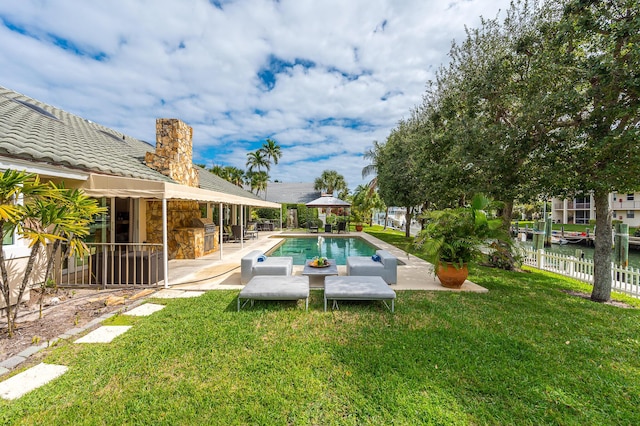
359, 228
450, 276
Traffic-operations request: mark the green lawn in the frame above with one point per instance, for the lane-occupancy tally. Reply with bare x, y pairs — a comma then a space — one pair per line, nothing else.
524, 353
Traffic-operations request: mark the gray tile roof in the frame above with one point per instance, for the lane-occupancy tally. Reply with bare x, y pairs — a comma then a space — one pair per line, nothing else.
293, 193
68, 140
34, 131
215, 183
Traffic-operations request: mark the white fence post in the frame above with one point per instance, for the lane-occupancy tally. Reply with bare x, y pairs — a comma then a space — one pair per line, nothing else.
624, 280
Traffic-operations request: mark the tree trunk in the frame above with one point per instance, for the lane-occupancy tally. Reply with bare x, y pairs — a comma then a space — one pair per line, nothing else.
386, 217
25, 279
602, 256
507, 213
407, 225
6, 286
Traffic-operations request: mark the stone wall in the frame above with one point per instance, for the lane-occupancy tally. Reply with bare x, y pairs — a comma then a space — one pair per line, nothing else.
181, 234
174, 152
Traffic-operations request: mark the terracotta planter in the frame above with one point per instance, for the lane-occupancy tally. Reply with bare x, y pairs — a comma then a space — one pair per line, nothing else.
359, 228
450, 276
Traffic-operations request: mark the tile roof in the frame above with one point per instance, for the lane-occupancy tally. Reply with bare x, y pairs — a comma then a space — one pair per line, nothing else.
28, 132
215, 183
293, 193
34, 131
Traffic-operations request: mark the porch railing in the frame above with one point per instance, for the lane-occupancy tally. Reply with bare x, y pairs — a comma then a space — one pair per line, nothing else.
108, 265
624, 280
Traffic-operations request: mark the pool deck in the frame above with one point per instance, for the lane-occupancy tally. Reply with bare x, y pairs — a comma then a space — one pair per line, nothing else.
213, 273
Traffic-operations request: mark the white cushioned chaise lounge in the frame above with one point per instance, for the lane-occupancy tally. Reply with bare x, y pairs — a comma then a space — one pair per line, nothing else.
357, 288
268, 287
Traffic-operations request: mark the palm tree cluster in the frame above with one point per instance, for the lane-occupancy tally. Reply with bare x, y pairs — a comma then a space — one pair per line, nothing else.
258, 165
332, 182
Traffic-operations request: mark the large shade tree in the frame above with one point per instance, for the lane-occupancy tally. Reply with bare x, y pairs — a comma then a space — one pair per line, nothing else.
594, 54
399, 175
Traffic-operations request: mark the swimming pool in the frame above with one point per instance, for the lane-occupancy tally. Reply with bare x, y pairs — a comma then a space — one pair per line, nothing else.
338, 248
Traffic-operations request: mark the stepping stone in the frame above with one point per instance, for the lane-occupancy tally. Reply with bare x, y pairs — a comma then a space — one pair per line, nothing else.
145, 310
30, 379
104, 334
177, 294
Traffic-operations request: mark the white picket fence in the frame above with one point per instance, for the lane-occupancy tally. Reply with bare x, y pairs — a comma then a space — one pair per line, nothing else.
624, 280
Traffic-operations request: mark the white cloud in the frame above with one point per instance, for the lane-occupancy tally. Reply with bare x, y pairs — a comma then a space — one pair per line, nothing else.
364, 65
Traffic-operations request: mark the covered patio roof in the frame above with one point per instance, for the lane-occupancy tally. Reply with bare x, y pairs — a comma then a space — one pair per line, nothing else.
98, 185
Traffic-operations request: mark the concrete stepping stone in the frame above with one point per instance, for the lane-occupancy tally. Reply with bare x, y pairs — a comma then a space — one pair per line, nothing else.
104, 334
177, 294
28, 380
145, 310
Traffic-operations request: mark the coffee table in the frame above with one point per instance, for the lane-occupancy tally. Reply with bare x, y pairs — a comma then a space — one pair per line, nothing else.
311, 271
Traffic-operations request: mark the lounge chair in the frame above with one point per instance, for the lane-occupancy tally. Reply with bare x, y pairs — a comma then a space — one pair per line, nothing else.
227, 233
342, 227
256, 263
237, 233
313, 227
386, 266
251, 230
357, 288
275, 288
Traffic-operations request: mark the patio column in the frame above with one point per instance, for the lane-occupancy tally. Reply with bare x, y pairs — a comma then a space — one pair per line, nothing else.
241, 226
165, 245
220, 218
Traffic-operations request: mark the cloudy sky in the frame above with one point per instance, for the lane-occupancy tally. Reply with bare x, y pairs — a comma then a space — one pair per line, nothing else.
324, 78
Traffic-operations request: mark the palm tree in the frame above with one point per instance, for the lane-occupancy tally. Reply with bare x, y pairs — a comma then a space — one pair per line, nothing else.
235, 175
372, 169
257, 160
331, 181
271, 151
218, 170
257, 181
47, 214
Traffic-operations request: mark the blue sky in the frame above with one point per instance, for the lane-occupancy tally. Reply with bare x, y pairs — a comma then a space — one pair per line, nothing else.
322, 78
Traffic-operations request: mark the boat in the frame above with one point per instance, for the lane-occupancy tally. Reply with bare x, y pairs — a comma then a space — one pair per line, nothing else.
558, 240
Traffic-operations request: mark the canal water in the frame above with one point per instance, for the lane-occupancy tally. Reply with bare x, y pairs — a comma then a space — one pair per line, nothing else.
570, 250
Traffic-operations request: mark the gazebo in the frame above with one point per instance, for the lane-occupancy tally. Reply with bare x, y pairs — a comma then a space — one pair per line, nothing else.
328, 202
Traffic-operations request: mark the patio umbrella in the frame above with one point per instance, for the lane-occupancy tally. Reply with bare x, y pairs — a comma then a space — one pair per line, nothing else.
328, 201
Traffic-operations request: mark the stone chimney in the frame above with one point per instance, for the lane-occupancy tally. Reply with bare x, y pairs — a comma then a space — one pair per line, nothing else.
174, 152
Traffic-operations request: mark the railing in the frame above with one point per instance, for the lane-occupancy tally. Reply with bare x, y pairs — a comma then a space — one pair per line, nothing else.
624, 280
113, 265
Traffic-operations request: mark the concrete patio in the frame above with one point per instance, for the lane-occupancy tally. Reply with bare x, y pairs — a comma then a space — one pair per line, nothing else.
212, 273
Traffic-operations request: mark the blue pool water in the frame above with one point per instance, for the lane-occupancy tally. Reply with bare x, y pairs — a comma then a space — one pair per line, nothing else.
338, 248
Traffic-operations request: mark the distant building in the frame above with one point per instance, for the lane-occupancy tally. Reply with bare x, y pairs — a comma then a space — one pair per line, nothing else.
292, 193
579, 210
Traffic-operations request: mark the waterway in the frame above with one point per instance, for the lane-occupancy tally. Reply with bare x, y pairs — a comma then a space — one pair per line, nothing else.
570, 250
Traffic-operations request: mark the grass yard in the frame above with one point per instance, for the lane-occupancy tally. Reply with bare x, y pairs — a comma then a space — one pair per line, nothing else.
524, 353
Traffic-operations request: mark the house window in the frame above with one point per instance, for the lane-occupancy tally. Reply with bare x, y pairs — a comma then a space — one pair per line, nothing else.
630, 197
630, 214
582, 217
583, 202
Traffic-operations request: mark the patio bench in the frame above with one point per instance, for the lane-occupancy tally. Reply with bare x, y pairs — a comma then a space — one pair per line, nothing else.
386, 267
357, 288
256, 263
265, 287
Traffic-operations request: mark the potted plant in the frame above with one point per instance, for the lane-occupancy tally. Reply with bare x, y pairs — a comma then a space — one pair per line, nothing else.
452, 238
357, 218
